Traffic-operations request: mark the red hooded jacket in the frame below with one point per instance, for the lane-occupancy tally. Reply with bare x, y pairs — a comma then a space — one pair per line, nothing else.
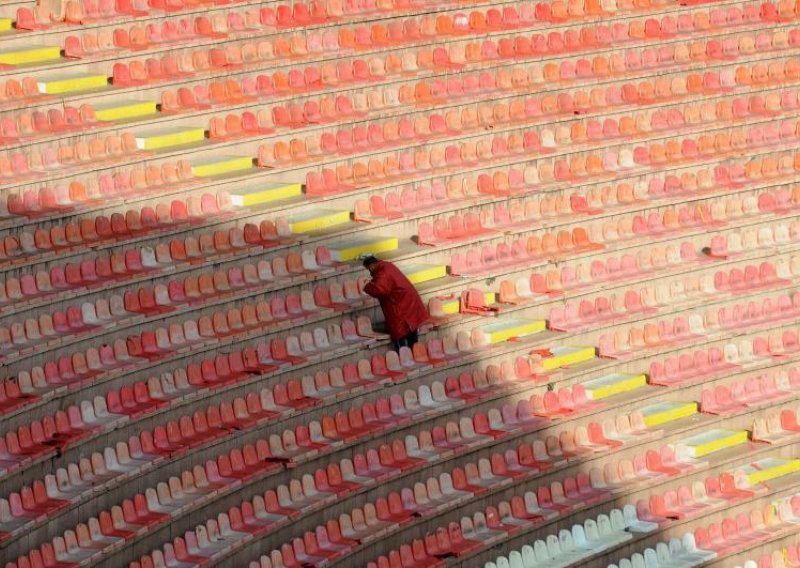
402, 307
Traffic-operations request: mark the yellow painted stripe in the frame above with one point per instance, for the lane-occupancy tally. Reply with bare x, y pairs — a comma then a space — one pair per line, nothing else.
662, 413
275, 192
72, 84
715, 441
27, 56
516, 328
569, 358
170, 138
222, 166
772, 469
126, 111
605, 387
318, 221
418, 274
351, 251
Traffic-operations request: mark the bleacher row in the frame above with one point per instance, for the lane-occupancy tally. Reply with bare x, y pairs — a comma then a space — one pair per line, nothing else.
598, 200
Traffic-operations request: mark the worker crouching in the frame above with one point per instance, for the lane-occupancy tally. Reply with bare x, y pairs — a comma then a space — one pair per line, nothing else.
402, 306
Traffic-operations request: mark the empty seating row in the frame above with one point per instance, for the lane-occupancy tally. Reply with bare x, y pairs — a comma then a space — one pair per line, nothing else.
301, 80
79, 277
592, 537
210, 246
507, 216
315, 111
86, 12
88, 233
106, 189
435, 126
735, 397
434, 495
624, 229
645, 91
155, 69
67, 486
486, 529
321, 110
720, 539
106, 148
248, 22
404, 131
491, 260
76, 322
597, 438
759, 169
408, 165
94, 365
779, 235
438, 494
282, 400
168, 441
40, 123
524, 289
777, 427
519, 215
717, 361
586, 276
624, 343
527, 214
785, 557
754, 314
77, 12
33, 164
683, 551
587, 314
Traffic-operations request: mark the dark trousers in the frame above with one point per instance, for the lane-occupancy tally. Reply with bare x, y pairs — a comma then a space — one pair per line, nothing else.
406, 341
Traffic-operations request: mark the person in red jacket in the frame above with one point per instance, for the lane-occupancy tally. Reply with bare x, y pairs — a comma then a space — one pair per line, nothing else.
402, 307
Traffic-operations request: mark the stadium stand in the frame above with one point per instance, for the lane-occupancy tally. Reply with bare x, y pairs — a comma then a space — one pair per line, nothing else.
598, 201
